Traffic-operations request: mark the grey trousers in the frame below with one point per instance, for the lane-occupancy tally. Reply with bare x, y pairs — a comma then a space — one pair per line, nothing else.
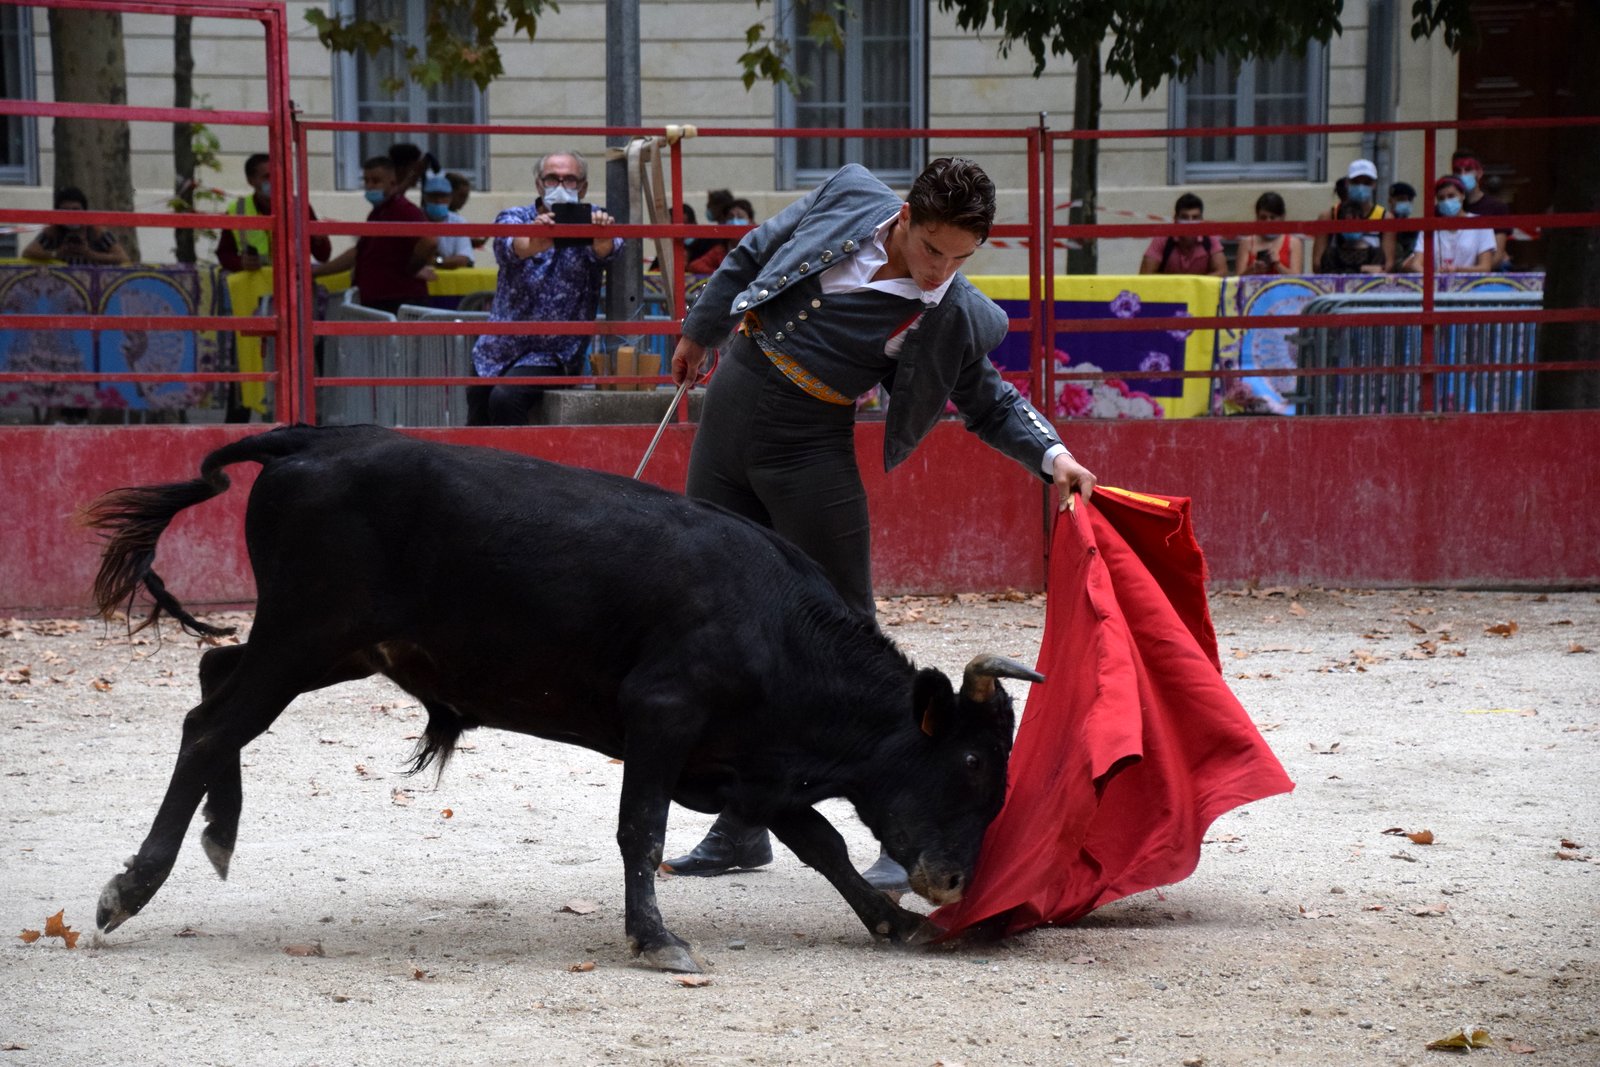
768, 451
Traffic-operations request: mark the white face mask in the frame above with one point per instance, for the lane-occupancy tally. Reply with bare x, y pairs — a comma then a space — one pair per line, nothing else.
560, 195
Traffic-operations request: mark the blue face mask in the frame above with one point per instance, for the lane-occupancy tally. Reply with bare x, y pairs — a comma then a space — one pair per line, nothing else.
436, 212
1402, 209
376, 196
1449, 207
1469, 181
266, 190
1360, 194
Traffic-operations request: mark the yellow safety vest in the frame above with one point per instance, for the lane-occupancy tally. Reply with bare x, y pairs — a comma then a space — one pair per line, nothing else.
260, 240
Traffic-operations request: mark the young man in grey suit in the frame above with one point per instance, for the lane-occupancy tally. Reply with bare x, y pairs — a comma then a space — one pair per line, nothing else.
847, 288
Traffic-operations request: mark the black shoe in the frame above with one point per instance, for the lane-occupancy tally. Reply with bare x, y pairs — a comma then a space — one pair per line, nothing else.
887, 876
722, 850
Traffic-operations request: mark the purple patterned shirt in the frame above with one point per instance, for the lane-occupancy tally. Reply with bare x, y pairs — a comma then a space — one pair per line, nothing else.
561, 285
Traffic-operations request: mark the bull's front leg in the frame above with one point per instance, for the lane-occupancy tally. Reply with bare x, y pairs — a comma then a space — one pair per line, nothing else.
641, 835
815, 841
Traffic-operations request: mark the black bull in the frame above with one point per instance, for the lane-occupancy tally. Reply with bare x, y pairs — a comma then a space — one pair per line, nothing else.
708, 654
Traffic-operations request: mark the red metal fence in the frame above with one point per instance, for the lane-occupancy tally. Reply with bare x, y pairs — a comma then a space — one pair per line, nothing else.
292, 327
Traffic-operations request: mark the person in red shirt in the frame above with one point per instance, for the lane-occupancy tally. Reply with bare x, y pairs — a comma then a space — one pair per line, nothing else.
1186, 252
388, 271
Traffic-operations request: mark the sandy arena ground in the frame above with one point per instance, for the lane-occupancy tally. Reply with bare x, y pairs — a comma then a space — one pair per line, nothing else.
374, 919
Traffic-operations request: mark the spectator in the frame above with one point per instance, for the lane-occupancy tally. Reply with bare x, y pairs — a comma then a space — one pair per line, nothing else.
1355, 253
1401, 198
739, 213
450, 252
460, 190
1456, 251
411, 165
717, 201
682, 245
78, 245
1268, 253
252, 249
1479, 201
1184, 253
541, 280
388, 271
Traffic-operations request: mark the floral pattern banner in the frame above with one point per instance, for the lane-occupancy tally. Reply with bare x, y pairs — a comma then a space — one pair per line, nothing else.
139, 290
1168, 345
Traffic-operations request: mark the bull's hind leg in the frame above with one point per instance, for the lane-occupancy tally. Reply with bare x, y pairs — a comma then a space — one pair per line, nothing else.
225, 790
244, 704
225, 784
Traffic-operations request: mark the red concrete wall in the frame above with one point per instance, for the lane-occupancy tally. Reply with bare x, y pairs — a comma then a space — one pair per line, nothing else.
1497, 500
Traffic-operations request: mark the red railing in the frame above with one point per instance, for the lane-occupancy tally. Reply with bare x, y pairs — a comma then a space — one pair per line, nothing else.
292, 328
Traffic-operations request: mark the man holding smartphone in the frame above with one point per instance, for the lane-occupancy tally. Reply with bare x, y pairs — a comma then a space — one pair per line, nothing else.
542, 279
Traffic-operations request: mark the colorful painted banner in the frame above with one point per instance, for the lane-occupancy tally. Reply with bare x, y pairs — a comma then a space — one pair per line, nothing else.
32, 289
1167, 347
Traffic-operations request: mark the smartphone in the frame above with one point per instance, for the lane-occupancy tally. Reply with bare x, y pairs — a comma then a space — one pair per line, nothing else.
571, 215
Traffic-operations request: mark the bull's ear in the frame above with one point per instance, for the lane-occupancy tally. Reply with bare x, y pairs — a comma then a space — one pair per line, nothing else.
933, 702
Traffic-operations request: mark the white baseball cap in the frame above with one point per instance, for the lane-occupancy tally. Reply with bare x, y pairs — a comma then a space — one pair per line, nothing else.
1362, 168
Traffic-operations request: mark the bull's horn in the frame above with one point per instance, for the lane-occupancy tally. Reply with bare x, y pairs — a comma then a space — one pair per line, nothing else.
977, 684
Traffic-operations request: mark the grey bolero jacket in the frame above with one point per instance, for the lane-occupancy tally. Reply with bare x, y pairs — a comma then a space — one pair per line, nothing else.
946, 358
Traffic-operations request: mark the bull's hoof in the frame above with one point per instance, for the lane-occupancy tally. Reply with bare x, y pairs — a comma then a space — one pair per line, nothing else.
218, 853
125, 895
672, 958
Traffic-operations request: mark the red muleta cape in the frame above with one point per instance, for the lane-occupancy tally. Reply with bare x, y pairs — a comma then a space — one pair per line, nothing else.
1133, 744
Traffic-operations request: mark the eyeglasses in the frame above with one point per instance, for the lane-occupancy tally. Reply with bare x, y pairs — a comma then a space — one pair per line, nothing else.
571, 181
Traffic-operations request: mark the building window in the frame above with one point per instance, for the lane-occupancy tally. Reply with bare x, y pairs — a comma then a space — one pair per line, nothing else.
1286, 91
19, 148
360, 95
878, 81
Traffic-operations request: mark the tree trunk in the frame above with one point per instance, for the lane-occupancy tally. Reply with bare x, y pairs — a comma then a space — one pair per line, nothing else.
1572, 271
183, 132
88, 67
1085, 160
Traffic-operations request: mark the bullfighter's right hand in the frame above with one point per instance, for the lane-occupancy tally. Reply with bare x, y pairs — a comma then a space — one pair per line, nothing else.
686, 360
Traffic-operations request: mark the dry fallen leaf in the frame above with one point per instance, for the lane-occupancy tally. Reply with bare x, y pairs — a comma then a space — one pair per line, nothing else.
1432, 911
1296, 610
30, 936
579, 906
313, 949
1575, 648
586, 965
54, 926
1569, 843
1567, 856
401, 797
1421, 837
1081, 959
1463, 1041
418, 974
692, 981
1501, 629
448, 813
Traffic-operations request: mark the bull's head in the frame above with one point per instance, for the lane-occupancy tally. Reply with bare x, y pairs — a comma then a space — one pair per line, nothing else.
939, 813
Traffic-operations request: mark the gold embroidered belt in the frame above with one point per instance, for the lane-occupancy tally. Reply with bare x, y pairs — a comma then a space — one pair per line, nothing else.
790, 367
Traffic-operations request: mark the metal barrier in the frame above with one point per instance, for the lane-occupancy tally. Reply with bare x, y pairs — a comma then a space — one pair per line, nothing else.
434, 356
358, 357
1378, 345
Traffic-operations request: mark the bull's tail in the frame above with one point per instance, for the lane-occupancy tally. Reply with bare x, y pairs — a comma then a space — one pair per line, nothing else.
134, 519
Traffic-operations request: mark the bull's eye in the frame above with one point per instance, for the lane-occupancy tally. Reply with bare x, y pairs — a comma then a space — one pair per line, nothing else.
972, 761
